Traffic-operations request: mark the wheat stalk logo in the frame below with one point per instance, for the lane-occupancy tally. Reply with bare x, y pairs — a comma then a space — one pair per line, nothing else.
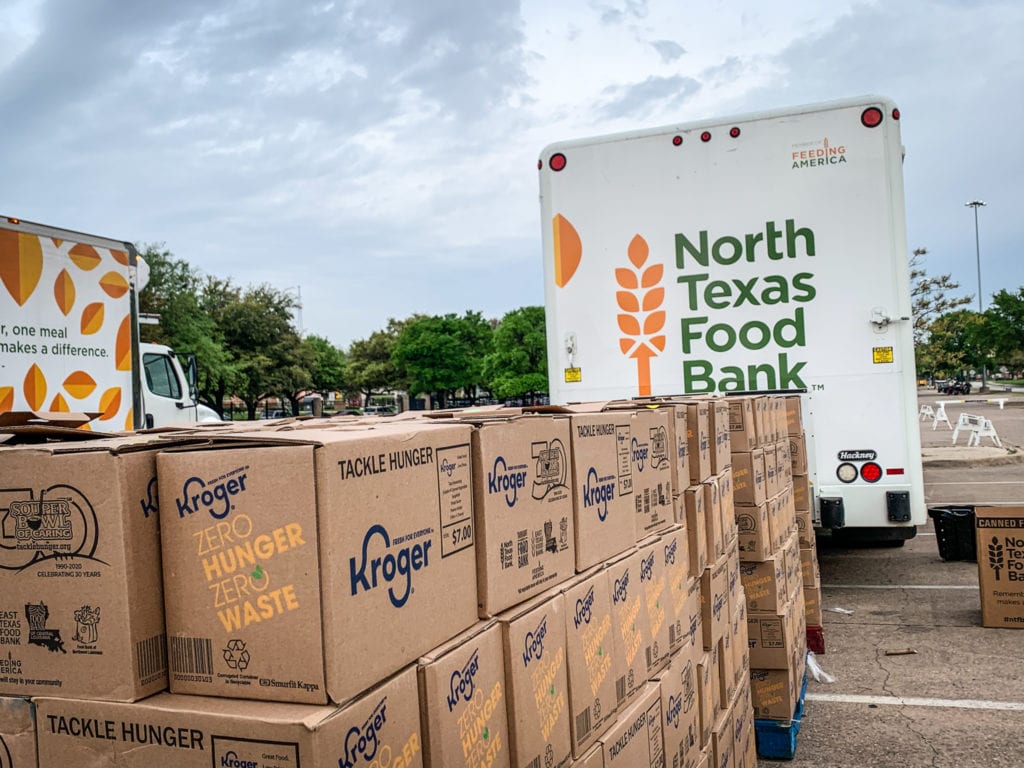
995, 556
641, 321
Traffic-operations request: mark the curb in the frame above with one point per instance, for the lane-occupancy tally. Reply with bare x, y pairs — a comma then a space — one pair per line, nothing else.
1009, 459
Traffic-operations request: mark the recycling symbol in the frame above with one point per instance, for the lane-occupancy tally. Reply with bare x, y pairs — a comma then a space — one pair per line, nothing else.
235, 655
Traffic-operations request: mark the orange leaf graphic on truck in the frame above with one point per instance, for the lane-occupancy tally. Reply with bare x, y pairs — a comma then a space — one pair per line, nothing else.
21, 264
79, 385
640, 320
92, 318
84, 256
110, 403
64, 292
35, 388
568, 250
6, 399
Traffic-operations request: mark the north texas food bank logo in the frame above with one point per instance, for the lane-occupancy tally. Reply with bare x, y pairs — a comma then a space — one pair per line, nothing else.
639, 298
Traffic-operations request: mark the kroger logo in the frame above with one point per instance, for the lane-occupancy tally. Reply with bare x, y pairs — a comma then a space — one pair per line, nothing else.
533, 644
584, 608
675, 706
670, 552
230, 760
447, 467
597, 492
463, 682
214, 496
620, 588
391, 566
639, 453
507, 480
362, 741
647, 568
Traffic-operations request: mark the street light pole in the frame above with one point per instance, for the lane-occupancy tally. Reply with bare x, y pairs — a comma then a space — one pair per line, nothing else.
976, 204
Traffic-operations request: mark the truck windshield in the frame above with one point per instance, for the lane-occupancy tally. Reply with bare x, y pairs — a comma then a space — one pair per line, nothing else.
160, 377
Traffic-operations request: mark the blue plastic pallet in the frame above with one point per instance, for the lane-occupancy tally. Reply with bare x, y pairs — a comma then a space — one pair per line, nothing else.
776, 739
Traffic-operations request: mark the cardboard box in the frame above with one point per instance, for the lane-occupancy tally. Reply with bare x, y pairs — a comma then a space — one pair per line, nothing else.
17, 733
675, 560
200, 731
805, 529
522, 509
809, 573
765, 585
773, 693
785, 464
714, 530
714, 595
726, 667
720, 431
536, 681
722, 738
1000, 536
706, 683
740, 643
762, 409
779, 410
592, 658
812, 605
794, 565
632, 627
81, 601
696, 528
698, 437
695, 611
654, 578
635, 739
735, 588
275, 548
462, 701
682, 710
594, 758
743, 724
754, 532
798, 454
652, 472
802, 493
794, 416
602, 474
748, 478
772, 637
771, 471
742, 429
728, 506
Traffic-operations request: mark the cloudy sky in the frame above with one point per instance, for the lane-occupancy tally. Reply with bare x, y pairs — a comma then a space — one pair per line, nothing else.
380, 155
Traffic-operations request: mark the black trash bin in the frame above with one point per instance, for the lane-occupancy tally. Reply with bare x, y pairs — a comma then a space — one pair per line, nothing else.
954, 531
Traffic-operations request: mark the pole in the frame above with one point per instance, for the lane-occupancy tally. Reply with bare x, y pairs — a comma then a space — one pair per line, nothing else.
976, 204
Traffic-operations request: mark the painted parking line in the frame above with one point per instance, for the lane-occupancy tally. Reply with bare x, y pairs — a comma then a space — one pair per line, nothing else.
910, 701
900, 586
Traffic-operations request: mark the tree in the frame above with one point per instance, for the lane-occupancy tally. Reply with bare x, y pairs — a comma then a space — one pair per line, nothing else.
958, 341
441, 355
369, 365
327, 369
1006, 328
929, 296
517, 364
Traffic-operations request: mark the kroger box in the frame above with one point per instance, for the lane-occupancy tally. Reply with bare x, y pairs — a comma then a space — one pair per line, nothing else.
81, 602
462, 701
754, 532
714, 595
698, 437
602, 475
652, 472
289, 555
635, 739
381, 727
742, 429
681, 710
1000, 537
594, 661
696, 523
630, 619
719, 429
522, 508
675, 556
533, 642
654, 577
17, 733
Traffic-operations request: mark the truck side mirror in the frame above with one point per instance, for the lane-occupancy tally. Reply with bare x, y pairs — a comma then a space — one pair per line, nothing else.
192, 375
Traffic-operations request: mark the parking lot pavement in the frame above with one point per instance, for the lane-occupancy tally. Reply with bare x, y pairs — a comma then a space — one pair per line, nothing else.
958, 700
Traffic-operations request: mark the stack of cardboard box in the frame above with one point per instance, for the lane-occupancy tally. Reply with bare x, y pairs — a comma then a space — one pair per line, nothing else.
771, 567
811, 576
494, 588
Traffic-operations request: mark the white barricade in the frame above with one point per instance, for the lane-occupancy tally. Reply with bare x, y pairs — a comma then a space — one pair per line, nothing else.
926, 413
979, 427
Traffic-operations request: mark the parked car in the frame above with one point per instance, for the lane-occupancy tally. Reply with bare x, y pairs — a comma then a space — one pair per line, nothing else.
954, 387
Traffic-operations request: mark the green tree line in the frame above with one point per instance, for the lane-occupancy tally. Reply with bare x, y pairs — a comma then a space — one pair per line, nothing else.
248, 347
950, 339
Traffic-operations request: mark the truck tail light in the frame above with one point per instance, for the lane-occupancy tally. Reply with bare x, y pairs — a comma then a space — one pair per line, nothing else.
871, 472
557, 161
871, 117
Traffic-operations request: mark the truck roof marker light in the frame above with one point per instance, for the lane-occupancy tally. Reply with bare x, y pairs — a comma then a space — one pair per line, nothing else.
734, 132
894, 471
705, 136
871, 472
557, 162
846, 472
895, 113
677, 141
871, 117
540, 164
13, 220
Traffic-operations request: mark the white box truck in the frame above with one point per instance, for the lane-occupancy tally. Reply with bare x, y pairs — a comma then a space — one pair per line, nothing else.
69, 334
765, 252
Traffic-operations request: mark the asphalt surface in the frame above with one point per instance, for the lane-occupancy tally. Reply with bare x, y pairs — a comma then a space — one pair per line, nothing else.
954, 694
